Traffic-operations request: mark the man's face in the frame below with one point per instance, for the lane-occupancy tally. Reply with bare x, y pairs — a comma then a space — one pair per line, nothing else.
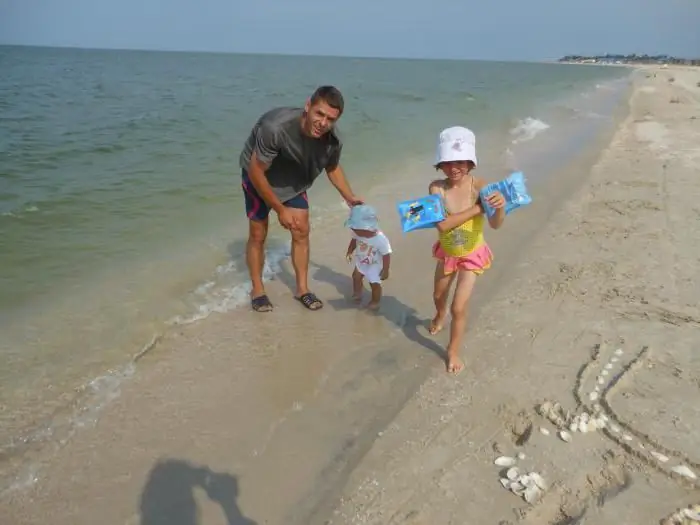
320, 118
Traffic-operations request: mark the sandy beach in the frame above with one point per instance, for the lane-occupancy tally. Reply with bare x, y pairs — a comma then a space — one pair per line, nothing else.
256, 425
609, 281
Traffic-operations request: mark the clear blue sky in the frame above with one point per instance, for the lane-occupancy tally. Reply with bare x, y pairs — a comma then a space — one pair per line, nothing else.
487, 29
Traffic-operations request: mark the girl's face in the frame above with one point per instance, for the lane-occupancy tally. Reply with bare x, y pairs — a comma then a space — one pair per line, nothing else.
456, 170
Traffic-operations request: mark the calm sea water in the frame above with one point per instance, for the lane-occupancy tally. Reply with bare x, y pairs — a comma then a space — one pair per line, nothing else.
120, 204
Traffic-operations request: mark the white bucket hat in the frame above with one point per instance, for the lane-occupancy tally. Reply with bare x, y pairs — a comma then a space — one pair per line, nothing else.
362, 217
455, 144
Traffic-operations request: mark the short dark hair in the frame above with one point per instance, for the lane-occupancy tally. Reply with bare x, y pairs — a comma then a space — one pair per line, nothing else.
331, 96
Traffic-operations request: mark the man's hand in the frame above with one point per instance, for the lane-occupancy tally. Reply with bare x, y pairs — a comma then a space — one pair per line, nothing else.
287, 219
354, 200
337, 177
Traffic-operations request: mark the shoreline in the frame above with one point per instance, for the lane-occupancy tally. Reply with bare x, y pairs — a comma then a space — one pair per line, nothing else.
170, 416
612, 270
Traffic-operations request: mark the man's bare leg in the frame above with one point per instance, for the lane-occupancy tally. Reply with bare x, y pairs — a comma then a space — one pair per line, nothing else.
300, 260
300, 251
255, 258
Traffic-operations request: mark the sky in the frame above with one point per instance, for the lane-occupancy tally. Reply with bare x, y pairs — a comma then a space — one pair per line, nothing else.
454, 29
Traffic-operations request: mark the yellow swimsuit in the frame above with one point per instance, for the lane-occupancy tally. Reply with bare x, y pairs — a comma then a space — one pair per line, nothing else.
464, 247
464, 239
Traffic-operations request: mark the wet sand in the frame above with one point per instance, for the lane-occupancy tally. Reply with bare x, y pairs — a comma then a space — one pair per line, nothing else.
248, 418
615, 269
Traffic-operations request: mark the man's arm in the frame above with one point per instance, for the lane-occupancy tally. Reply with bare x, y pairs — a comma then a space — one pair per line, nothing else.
265, 150
337, 177
256, 174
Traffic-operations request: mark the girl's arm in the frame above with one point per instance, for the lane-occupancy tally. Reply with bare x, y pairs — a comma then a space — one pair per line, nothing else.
455, 219
497, 201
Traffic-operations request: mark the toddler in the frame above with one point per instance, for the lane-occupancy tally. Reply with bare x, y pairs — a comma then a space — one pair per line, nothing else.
371, 251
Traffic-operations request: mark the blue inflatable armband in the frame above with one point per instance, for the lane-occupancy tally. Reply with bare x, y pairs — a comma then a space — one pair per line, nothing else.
418, 214
513, 190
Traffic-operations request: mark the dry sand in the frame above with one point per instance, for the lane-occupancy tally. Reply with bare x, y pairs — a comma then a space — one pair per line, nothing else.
242, 419
615, 269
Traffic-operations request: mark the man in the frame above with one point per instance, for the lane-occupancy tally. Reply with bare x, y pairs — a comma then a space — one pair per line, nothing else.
286, 151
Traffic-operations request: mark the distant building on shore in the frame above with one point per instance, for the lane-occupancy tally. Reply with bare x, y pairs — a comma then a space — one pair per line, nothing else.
629, 59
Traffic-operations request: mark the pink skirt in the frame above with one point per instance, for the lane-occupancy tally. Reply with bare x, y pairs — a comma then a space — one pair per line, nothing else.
477, 261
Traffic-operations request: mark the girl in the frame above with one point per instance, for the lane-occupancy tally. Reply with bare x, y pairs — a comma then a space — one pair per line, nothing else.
461, 251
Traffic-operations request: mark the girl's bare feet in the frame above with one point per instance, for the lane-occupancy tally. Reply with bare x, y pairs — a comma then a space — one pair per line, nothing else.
436, 324
454, 364
357, 297
372, 305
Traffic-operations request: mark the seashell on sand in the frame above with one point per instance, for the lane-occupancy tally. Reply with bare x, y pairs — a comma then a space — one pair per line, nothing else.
600, 422
583, 426
604, 372
517, 488
659, 456
539, 480
512, 473
574, 426
593, 396
521, 455
608, 366
544, 431
692, 513
565, 436
532, 494
614, 428
619, 351
504, 461
506, 483
601, 380
614, 360
684, 471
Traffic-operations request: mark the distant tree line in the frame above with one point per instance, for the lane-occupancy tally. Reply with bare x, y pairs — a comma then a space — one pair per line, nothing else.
632, 59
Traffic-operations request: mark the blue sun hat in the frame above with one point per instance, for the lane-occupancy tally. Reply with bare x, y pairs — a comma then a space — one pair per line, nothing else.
362, 217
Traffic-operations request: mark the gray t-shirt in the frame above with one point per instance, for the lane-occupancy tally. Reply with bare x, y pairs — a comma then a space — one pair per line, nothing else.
295, 159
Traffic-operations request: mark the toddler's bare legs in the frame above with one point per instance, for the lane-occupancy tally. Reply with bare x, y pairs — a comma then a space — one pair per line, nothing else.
357, 287
441, 292
460, 303
376, 296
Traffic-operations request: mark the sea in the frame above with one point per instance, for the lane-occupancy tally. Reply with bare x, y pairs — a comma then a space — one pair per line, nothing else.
121, 211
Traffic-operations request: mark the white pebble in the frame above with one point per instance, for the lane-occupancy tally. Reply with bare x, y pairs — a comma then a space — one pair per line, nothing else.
684, 471
659, 456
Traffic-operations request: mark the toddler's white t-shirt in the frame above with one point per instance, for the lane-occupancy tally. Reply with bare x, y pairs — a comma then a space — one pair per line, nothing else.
369, 254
